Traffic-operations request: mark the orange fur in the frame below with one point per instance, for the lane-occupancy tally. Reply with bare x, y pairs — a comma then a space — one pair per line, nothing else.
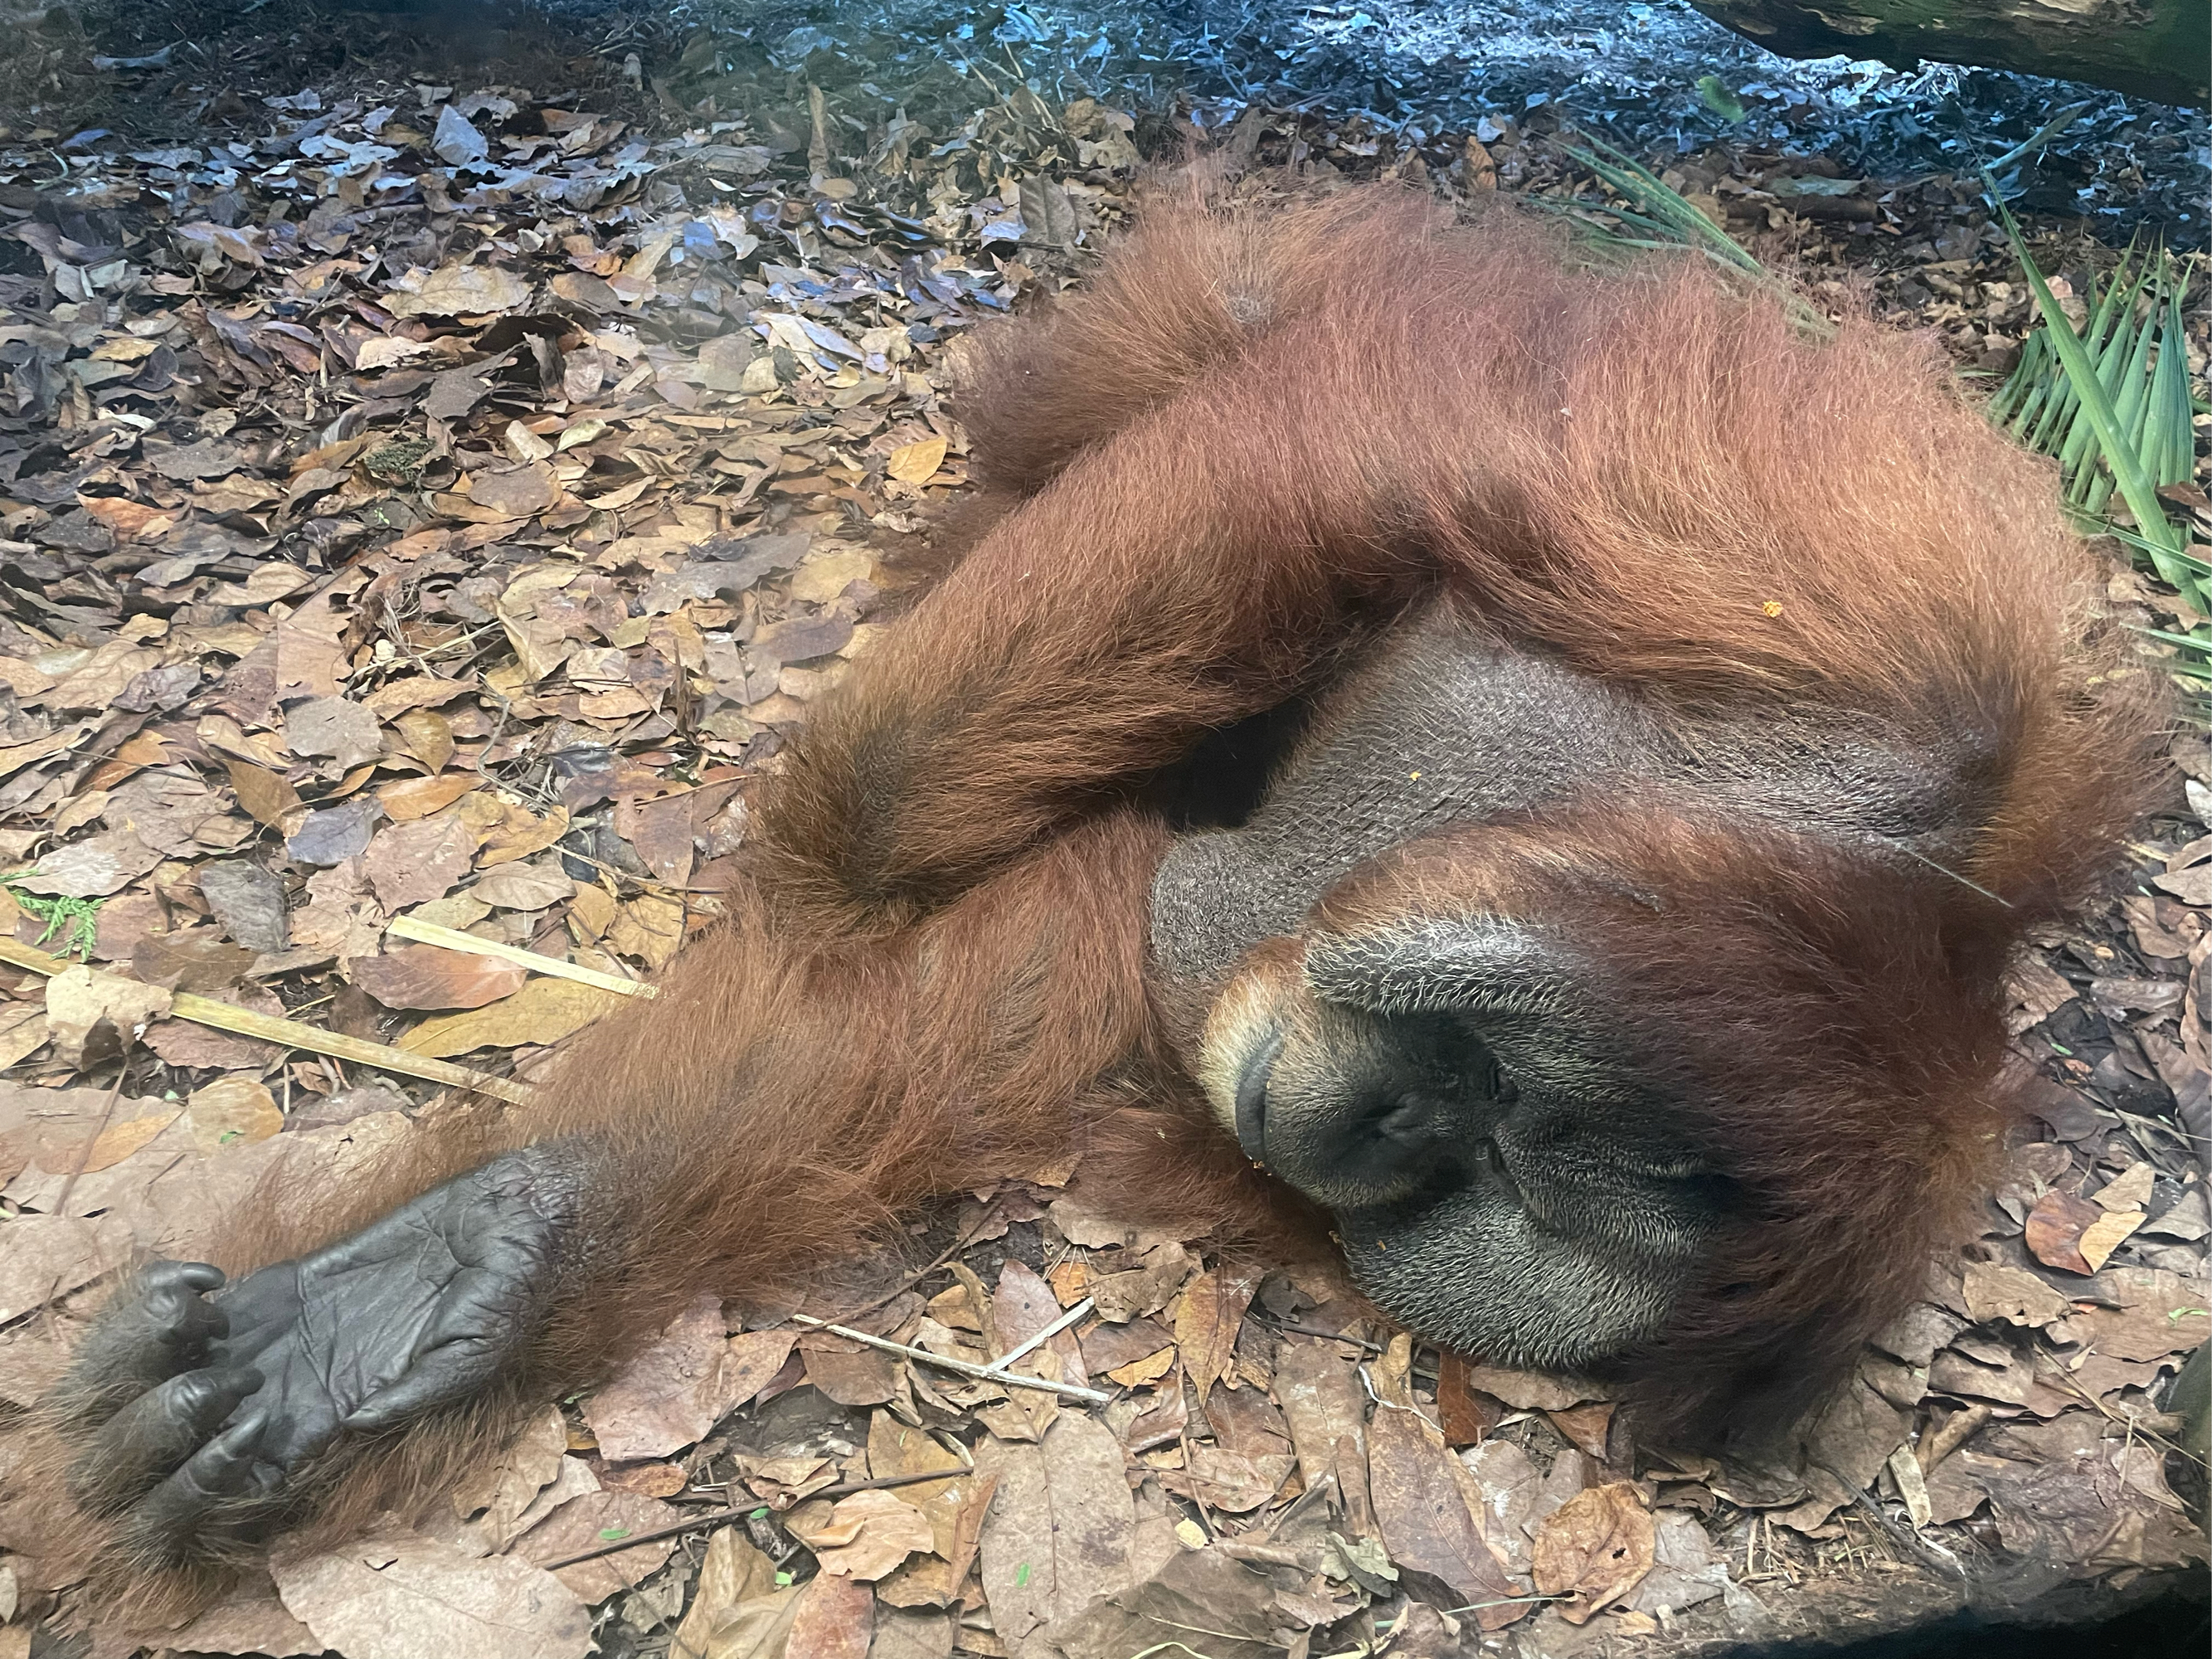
1256, 433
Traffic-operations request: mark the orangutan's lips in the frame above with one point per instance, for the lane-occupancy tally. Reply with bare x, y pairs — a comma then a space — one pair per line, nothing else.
1252, 1098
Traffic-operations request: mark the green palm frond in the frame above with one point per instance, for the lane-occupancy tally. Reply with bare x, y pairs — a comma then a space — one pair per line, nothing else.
2110, 402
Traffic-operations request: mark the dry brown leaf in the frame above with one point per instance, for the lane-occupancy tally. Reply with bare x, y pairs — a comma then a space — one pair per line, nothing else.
850, 1373
429, 736
424, 976
668, 1397
823, 575
954, 1307
1235, 1482
266, 794
582, 288
1464, 1413
1060, 1525
119, 1140
1070, 1281
520, 492
1588, 1427
1687, 1571
646, 1479
759, 1628
897, 1449
193, 1047
590, 909
457, 290
1594, 1548
231, 1110
1142, 1288
2159, 1313
405, 1596
2106, 1234
651, 929
1426, 1521
2128, 1190
417, 797
661, 832
1150, 1369
92, 868
343, 730
1540, 1391
1317, 1382
1205, 1325
51, 1256
196, 959
22, 1032
916, 463
1025, 1413
592, 1520
2054, 1231
754, 1358
411, 863
733, 1572
1994, 1291
541, 1012
521, 887
249, 901
834, 1619
1243, 1614
864, 1535
502, 1490
520, 833
249, 1619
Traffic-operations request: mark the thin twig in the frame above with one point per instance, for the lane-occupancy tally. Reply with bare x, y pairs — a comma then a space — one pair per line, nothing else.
448, 938
738, 1511
999, 1365
980, 1373
1927, 1551
106, 1112
1331, 1336
291, 1034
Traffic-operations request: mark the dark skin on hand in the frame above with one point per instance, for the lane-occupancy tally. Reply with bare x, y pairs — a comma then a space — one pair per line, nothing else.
1550, 766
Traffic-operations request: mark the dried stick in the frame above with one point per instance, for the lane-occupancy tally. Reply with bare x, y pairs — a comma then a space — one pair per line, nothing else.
291, 1034
738, 1511
997, 1367
980, 1373
428, 933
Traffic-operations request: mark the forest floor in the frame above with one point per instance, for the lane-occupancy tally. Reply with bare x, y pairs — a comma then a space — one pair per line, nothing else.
430, 500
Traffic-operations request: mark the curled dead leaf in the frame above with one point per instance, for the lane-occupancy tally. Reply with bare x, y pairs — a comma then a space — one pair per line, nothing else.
1594, 1549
